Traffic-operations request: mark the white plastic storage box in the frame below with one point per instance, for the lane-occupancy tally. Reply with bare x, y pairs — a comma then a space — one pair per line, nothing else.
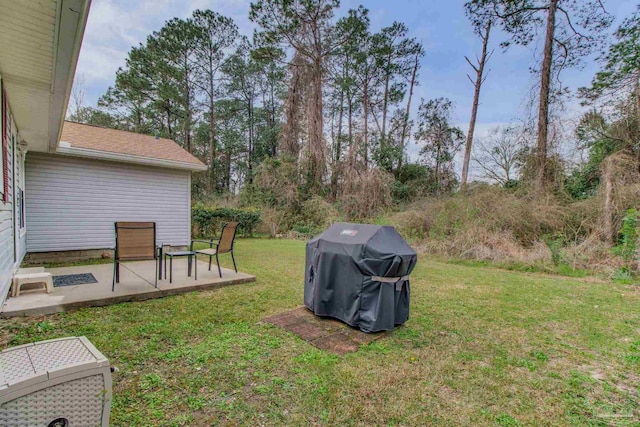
59, 383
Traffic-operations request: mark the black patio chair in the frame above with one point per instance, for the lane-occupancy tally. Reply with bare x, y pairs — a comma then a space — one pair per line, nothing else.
222, 246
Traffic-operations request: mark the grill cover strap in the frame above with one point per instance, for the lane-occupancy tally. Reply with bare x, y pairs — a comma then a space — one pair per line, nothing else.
397, 280
389, 279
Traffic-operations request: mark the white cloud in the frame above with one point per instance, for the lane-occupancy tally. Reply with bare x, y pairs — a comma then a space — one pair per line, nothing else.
115, 26
109, 22
99, 64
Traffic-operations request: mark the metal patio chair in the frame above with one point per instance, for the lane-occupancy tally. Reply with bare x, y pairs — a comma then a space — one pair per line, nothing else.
135, 241
221, 246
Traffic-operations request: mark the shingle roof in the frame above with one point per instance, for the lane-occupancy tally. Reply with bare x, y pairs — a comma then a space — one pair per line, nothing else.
122, 142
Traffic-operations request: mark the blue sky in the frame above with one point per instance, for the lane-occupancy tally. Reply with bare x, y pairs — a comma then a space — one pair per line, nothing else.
116, 25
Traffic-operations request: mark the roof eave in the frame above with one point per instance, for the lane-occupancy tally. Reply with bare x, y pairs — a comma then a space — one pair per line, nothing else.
70, 31
129, 158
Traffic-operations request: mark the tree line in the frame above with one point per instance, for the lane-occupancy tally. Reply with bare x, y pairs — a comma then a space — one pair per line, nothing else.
325, 103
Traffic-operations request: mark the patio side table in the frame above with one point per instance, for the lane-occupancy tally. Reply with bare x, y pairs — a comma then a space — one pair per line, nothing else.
189, 254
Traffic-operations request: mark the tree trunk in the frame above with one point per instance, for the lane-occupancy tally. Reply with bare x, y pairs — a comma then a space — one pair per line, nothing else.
405, 125
316, 135
636, 90
350, 119
338, 148
138, 116
437, 168
365, 109
474, 110
187, 130
213, 180
298, 90
607, 176
187, 107
228, 170
272, 117
385, 107
543, 110
637, 94
251, 149
212, 148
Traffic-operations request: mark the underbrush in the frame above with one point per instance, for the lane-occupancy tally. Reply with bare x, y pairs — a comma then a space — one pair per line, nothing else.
511, 230
487, 224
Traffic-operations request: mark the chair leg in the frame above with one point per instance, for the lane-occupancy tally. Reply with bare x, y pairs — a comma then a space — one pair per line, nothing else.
113, 283
210, 258
195, 266
170, 269
189, 266
165, 267
157, 274
234, 262
218, 262
118, 272
49, 283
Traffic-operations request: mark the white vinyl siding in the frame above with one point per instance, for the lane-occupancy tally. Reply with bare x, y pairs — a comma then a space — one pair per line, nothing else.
20, 184
7, 257
72, 203
6, 243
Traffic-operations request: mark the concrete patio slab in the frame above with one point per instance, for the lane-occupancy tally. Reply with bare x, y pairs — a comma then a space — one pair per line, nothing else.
324, 333
132, 287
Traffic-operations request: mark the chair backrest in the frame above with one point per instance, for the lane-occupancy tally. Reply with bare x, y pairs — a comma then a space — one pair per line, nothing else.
227, 237
135, 240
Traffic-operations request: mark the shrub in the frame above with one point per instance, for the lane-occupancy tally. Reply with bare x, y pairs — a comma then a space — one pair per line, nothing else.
365, 194
276, 191
555, 243
208, 221
412, 180
304, 229
627, 249
401, 192
496, 224
317, 214
494, 209
413, 223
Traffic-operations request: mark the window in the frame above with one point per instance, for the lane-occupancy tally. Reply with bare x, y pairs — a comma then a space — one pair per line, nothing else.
20, 209
20, 183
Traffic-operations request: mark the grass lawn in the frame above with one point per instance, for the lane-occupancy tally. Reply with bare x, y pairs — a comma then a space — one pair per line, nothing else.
483, 346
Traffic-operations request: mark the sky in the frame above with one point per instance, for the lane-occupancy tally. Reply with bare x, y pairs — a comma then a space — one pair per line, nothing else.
114, 26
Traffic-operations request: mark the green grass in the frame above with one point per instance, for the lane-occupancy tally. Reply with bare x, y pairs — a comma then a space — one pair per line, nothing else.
548, 268
92, 261
483, 346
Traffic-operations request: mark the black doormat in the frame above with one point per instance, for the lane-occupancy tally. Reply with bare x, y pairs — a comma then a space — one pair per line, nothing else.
74, 279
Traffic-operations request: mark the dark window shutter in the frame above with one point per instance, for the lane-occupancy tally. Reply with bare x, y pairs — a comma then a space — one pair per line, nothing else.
5, 143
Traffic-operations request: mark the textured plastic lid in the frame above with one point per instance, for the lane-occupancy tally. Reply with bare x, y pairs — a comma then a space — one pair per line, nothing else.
29, 364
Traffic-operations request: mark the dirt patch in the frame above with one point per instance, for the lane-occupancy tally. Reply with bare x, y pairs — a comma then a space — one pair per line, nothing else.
307, 331
323, 332
337, 343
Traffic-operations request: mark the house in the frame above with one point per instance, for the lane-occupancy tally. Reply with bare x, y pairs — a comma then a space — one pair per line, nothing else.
63, 184
98, 176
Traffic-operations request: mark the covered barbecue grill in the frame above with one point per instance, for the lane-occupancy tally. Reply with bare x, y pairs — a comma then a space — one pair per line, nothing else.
359, 273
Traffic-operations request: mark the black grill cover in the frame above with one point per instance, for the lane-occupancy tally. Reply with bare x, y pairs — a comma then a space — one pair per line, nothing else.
351, 272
